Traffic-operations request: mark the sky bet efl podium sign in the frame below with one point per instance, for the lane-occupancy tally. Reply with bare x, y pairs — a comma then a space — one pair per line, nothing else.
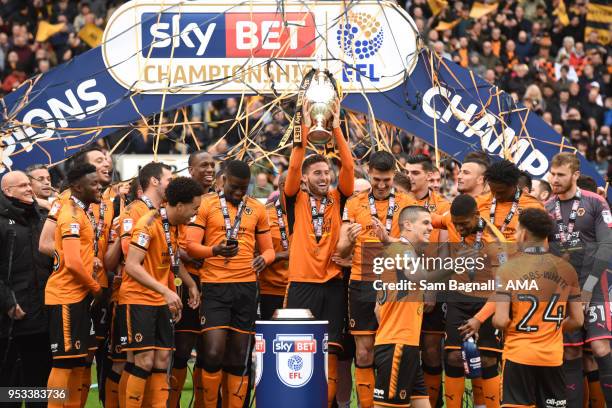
162, 55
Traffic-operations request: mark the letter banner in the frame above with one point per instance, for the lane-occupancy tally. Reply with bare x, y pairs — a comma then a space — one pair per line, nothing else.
160, 57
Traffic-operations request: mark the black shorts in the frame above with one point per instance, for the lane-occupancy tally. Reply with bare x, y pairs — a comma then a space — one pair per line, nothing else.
114, 345
527, 385
268, 305
399, 376
597, 320
460, 308
229, 306
71, 331
326, 301
146, 327
434, 322
361, 302
101, 315
190, 318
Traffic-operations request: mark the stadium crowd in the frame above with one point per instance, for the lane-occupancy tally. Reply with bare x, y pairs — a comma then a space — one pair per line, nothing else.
523, 47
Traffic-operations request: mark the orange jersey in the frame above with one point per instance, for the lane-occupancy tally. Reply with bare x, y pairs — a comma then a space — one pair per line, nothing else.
502, 210
534, 335
273, 279
400, 312
128, 219
218, 269
357, 210
436, 204
56, 206
148, 235
72, 223
310, 261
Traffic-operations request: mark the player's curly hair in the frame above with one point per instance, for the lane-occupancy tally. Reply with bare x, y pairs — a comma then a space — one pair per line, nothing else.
537, 222
504, 172
463, 205
183, 190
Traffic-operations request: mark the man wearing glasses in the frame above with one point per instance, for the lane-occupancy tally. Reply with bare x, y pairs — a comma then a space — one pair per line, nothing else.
41, 185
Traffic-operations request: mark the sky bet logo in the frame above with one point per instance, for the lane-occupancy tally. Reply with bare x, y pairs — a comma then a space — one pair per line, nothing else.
227, 35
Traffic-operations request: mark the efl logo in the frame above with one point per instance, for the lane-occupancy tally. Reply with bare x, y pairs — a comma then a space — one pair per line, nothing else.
294, 358
360, 36
229, 35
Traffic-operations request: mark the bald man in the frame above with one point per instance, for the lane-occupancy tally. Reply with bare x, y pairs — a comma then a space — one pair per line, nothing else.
23, 317
16, 184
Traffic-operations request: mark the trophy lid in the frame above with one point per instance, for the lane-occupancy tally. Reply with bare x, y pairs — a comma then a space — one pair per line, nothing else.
292, 314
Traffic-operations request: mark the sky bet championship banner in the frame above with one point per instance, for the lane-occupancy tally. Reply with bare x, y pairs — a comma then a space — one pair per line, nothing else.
162, 55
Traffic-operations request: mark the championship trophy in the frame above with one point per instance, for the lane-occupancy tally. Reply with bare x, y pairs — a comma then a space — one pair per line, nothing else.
321, 95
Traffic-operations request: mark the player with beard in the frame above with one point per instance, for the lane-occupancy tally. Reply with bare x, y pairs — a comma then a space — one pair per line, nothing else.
70, 286
148, 303
471, 179
358, 238
154, 179
187, 331
581, 235
314, 218
420, 169
225, 232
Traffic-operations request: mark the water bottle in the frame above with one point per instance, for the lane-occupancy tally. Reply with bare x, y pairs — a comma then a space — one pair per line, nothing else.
471, 359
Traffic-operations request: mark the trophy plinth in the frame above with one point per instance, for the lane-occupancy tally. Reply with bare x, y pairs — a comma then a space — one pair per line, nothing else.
321, 96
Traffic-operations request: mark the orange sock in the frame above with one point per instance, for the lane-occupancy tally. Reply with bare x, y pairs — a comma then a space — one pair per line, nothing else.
332, 378
237, 389
478, 393
58, 378
75, 385
490, 388
198, 386
211, 381
224, 390
364, 381
135, 389
433, 383
147, 400
596, 396
177, 381
111, 390
453, 387
159, 388
123, 383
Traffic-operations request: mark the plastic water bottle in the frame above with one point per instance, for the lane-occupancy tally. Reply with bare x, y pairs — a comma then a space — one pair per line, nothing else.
471, 359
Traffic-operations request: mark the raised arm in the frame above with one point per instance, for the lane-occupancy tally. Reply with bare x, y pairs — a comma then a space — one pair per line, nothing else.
346, 178
294, 172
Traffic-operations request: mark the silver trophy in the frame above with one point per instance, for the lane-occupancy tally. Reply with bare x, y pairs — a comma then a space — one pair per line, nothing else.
321, 95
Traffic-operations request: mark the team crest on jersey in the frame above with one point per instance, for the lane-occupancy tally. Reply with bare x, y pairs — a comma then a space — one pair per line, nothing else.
143, 240
432, 207
56, 261
127, 224
396, 207
294, 358
77, 344
260, 349
402, 394
580, 211
138, 337
248, 210
75, 228
54, 209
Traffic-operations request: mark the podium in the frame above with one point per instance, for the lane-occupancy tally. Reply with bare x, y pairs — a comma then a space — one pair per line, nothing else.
291, 360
